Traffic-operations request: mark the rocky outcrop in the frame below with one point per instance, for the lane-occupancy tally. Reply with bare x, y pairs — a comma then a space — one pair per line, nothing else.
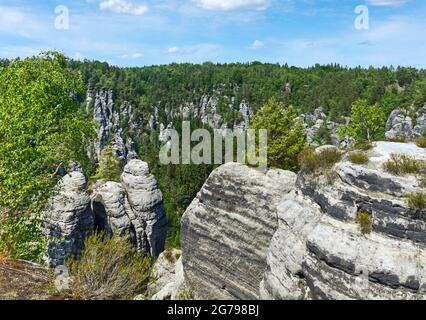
227, 229
401, 126
318, 251
145, 207
321, 131
168, 275
111, 122
131, 207
68, 218
252, 235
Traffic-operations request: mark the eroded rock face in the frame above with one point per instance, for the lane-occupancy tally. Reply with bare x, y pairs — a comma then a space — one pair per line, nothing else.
402, 126
111, 121
133, 207
309, 244
227, 229
168, 272
68, 218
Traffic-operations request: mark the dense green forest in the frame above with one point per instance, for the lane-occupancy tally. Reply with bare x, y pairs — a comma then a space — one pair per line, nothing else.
333, 87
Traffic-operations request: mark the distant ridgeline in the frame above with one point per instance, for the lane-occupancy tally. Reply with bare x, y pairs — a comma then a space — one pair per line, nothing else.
226, 96
331, 87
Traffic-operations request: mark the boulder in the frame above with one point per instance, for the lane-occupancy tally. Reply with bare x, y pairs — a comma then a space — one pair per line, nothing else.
250, 235
169, 275
68, 219
144, 206
401, 126
227, 229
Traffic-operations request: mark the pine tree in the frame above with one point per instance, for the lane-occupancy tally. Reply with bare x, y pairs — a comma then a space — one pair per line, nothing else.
109, 166
286, 135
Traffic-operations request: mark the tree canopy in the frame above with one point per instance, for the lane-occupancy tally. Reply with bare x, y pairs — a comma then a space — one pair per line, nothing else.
41, 128
286, 135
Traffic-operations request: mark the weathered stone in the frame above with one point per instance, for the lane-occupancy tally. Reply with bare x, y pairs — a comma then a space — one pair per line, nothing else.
68, 219
169, 275
144, 206
110, 120
249, 236
227, 229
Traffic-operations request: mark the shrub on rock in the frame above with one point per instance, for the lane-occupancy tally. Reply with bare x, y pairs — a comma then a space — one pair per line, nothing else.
109, 268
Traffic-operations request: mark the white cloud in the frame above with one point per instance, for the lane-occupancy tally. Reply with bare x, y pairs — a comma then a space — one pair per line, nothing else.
173, 50
387, 3
257, 44
228, 5
132, 56
124, 7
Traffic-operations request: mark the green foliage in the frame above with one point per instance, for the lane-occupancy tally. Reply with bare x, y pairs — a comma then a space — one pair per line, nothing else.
40, 128
172, 255
364, 146
313, 161
109, 269
422, 180
286, 135
358, 158
186, 294
109, 167
416, 201
421, 142
365, 222
21, 237
367, 121
401, 164
332, 87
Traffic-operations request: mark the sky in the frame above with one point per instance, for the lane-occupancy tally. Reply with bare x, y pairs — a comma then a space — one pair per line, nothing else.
151, 32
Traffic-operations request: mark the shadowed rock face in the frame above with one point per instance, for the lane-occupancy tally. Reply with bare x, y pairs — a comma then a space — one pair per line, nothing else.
227, 229
250, 235
111, 121
68, 218
133, 207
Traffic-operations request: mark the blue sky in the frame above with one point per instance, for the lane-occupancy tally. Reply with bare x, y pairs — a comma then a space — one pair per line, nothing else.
147, 32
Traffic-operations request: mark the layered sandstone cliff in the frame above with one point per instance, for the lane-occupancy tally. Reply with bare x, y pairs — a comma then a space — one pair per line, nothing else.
269, 235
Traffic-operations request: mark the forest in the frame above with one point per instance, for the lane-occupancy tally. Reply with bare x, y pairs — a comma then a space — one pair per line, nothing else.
334, 88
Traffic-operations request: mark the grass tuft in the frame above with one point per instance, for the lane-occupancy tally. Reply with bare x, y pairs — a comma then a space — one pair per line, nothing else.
358, 158
365, 222
312, 161
401, 164
421, 142
416, 201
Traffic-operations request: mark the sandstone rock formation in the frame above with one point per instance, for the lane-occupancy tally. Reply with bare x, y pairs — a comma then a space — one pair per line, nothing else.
144, 206
68, 218
265, 236
317, 125
401, 126
227, 229
133, 207
111, 121
168, 272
